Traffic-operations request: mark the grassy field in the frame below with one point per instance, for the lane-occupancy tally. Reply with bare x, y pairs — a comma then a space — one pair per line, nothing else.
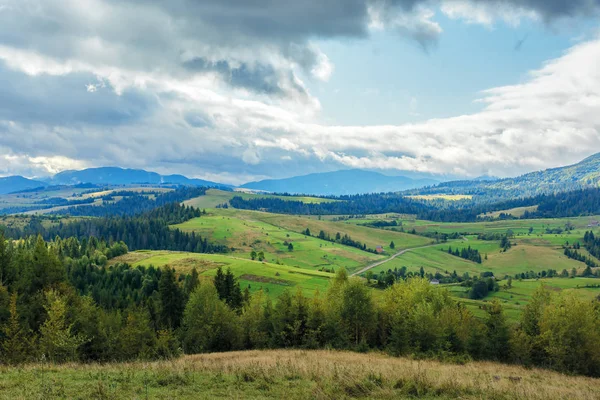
20, 221
255, 275
451, 197
292, 374
518, 226
515, 212
513, 299
246, 231
215, 197
528, 254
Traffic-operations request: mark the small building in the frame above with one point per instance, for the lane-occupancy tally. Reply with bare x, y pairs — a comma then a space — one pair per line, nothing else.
379, 249
434, 282
593, 224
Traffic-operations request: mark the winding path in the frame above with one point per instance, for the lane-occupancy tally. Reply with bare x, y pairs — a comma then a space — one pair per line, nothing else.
378, 263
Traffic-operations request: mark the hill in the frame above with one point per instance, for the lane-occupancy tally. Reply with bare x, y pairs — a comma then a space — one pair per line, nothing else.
352, 181
11, 184
124, 176
292, 374
584, 174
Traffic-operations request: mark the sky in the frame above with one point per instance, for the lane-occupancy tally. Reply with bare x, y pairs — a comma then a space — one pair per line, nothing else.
241, 90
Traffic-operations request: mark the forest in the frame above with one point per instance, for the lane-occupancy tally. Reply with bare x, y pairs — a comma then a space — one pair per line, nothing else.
149, 230
568, 204
61, 300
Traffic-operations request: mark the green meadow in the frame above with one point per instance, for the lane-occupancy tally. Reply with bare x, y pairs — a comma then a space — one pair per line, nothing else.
215, 197
255, 275
519, 294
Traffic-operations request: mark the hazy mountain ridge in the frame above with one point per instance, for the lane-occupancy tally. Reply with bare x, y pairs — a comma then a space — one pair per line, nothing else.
16, 183
124, 176
355, 181
340, 183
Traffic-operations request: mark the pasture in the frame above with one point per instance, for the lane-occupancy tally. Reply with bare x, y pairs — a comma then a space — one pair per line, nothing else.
245, 232
215, 197
255, 275
513, 299
449, 197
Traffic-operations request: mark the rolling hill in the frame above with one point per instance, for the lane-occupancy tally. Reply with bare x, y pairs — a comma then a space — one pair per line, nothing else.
585, 173
344, 182
11, 184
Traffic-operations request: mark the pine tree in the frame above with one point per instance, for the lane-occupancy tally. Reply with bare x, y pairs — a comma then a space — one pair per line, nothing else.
17, 345
57, 341
392, 245
171, 299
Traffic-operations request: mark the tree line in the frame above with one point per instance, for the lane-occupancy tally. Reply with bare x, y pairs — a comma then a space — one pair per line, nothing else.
465, 253
566, 204
133, 203
148, 231
344, 239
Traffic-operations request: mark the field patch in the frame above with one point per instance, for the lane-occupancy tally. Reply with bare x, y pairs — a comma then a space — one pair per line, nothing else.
255, 275
450, 197
515, 212
217, 197
245, 232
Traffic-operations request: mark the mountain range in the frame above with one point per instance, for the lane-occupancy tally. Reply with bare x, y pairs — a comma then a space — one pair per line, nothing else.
583, 174
343, 182
17, 183
124, 176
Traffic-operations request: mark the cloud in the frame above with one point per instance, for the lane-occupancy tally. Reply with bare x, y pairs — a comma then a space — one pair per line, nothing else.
217, 89
485, 12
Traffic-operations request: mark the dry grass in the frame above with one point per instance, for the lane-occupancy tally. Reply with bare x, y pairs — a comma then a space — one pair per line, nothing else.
294, 374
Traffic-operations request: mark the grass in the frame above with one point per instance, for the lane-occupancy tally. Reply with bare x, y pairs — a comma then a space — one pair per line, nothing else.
515, 212
20, 221
246, 231
527, 255
515, 298
450, 197
292, 374
372, 237
215, 197
272, 278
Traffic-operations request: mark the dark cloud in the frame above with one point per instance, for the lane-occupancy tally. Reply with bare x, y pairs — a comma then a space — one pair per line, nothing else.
65, 100
259, 78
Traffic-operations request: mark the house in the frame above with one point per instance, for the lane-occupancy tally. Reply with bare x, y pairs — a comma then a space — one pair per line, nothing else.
593, 224
379, 249
434, 282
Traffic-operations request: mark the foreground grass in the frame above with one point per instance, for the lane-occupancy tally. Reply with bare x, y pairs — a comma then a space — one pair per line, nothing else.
291, 374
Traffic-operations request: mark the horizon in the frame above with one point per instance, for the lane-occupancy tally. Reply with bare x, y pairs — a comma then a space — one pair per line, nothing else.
454, 88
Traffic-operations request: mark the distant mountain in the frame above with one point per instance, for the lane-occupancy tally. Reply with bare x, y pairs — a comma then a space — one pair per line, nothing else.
353, 181
572, 177
124, 176
17, 183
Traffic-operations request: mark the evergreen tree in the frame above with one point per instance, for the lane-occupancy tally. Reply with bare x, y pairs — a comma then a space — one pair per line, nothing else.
171, 299
17, 344
498, 332
57, 340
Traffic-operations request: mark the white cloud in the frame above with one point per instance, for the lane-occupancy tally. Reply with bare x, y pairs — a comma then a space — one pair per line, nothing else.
184, 98
487, 13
